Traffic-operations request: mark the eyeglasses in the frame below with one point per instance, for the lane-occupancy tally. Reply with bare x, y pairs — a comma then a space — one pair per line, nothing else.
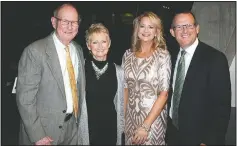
66, 22
181, 27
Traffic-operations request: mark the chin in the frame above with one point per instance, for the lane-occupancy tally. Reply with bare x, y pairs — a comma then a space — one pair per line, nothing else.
69, 38
147, 40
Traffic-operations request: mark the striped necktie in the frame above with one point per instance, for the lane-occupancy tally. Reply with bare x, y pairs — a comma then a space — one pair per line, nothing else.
180, 76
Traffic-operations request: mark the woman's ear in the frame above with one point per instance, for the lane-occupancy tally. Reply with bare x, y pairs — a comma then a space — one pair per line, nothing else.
157, 32
88, 46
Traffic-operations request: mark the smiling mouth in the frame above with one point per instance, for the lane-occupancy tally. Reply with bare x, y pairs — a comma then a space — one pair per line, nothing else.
145, 35
185, 36
68, 32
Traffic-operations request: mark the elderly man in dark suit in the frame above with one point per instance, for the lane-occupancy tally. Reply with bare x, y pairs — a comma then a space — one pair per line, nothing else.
51, 80
199, 104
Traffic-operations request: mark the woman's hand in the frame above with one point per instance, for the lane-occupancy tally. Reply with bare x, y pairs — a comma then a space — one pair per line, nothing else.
140, 136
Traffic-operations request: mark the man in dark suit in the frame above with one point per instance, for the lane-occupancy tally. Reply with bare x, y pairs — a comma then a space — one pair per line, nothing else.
51, 79
200, 99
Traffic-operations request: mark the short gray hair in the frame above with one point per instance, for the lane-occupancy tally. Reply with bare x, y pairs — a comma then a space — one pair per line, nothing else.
55, 13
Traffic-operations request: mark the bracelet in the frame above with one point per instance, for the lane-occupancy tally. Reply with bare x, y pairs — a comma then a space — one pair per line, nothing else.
145, 127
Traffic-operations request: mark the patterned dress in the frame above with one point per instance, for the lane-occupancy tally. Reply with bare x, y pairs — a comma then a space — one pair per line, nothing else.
145, 78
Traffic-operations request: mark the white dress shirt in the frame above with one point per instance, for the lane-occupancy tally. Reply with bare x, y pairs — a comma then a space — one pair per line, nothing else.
60, 47
188, 57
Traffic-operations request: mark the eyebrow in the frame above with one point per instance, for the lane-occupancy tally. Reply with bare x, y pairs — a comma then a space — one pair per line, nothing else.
147, 24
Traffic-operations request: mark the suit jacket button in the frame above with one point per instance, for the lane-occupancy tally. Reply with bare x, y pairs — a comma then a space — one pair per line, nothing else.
64, 111
60, 126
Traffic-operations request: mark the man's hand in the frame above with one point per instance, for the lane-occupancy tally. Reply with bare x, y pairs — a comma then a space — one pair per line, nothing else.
44, 141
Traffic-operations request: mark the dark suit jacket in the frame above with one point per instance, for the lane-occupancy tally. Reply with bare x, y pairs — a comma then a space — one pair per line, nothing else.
205, 100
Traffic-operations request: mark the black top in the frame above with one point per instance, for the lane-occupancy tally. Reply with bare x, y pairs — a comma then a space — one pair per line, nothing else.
100, 93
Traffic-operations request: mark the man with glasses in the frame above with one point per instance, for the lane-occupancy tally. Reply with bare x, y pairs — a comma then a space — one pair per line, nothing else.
200, 99
51, 84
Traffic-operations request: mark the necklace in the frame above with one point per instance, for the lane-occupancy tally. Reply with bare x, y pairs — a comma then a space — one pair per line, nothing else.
99, 72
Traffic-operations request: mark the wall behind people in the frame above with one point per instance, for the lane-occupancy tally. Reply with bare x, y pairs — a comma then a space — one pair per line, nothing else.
218, 29
219, 20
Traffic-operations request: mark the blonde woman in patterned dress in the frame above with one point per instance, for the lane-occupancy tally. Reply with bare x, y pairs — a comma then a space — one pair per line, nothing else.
147, 68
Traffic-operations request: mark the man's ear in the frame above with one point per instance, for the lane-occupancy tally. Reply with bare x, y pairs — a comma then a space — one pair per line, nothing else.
197, 29
54, 22
172, 32
109, 42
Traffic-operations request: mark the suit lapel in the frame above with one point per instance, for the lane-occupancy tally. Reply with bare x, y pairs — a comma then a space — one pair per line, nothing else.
54, 64
194, 67
81, 77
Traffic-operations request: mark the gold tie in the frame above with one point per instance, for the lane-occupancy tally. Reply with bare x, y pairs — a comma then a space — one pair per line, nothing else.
72, 82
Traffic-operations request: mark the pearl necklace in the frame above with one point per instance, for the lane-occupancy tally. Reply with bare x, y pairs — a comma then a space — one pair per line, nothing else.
99, 72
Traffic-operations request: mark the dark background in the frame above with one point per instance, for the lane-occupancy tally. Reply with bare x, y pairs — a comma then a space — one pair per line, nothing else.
24, 22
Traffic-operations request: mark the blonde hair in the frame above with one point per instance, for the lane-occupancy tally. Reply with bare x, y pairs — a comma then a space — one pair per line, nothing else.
158, 41
96, 28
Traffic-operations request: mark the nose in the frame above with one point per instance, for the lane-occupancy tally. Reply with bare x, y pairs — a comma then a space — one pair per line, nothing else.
100, 45
146, 29
69, 26
185, 29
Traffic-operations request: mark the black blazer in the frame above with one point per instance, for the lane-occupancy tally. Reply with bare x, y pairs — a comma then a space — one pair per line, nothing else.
205, 102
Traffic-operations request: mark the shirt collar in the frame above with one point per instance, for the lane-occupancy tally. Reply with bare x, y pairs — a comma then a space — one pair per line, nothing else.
58, 43
191, 49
